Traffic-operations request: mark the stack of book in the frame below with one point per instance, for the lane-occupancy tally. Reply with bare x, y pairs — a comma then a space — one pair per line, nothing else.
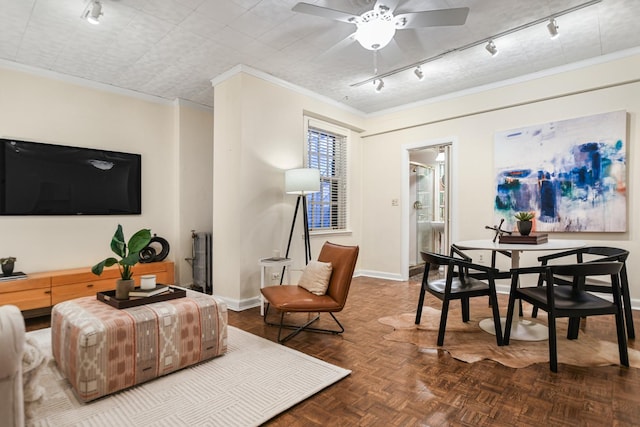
144, 293
13, 276
531, 239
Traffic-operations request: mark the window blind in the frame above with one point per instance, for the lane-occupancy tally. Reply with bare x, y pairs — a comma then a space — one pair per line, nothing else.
327, 151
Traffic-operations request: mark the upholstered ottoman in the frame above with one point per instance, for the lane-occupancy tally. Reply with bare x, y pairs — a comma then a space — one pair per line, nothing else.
101, 349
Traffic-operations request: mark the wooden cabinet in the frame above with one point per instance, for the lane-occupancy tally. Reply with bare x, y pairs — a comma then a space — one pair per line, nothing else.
40, 291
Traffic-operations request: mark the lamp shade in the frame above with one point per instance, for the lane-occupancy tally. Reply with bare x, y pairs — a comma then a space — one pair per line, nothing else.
302, 181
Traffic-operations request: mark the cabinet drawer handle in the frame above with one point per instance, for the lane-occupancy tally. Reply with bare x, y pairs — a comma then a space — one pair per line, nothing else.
90, 285
47, 292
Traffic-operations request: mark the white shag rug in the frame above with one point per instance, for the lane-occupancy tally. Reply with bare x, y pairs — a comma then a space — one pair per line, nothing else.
254, 381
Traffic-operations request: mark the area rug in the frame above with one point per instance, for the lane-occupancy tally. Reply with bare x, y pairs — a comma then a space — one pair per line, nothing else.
254, 381
468, 343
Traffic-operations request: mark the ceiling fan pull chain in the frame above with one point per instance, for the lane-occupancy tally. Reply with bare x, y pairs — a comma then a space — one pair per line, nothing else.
375, 62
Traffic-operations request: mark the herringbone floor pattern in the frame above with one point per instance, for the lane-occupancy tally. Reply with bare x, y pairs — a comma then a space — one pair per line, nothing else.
395, 384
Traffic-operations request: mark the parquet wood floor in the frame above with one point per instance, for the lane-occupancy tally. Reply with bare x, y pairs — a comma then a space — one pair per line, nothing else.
397, 384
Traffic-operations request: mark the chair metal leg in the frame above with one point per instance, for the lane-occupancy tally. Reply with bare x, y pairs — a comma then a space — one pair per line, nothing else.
299, 328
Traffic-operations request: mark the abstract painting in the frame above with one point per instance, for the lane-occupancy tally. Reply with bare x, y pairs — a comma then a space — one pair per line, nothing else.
571, 174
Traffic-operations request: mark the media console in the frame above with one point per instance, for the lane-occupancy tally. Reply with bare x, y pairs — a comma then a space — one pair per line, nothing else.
38, 292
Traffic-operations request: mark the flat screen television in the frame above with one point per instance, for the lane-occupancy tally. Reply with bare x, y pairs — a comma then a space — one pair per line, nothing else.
47, 179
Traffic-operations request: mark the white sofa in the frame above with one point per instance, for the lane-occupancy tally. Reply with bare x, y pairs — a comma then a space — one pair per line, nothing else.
12, 344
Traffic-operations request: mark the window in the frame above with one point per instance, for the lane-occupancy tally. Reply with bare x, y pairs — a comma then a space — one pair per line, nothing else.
327, 151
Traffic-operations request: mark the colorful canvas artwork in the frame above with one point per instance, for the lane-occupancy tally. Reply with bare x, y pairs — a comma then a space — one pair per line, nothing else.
570, 173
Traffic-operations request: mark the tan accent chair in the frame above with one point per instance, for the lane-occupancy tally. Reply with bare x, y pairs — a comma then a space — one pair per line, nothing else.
12, 341
295, 299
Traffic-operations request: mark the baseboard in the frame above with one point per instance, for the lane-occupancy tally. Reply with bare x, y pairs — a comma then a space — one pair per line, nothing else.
240, 305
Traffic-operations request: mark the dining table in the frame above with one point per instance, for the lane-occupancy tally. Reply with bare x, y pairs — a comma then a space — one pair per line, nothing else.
522, 329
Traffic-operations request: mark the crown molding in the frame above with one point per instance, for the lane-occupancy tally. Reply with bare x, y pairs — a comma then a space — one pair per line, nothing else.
241, 68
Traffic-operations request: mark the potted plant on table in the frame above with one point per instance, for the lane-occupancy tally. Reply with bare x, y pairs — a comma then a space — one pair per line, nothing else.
524, 223
7, 265
129, 256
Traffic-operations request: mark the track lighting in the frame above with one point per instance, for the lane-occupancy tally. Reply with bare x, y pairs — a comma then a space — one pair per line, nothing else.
418, 72
93, 12
552, 26
379, 86
491, 48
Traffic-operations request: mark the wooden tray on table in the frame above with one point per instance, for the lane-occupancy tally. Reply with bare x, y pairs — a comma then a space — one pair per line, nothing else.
109, 297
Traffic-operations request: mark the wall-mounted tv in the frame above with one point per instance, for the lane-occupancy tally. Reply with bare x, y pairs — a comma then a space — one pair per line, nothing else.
47, 179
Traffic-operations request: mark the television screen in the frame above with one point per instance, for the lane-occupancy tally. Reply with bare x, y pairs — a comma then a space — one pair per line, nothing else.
47, 179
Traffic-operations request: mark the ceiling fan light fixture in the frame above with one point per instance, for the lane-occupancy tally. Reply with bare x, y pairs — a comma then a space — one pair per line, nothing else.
93, 12
491, 48
379, 85
552, 27
418, 72
375, 29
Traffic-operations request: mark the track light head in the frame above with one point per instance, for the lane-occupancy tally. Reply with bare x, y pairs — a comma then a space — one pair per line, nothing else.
418, 72
552, 26
379, 85
491, 48
93, 12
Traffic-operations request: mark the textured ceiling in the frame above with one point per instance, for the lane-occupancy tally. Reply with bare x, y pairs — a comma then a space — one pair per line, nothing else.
173, 48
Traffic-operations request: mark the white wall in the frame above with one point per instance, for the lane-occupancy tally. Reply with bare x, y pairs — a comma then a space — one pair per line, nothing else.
44, 109
472, 121
195, 175
258, 134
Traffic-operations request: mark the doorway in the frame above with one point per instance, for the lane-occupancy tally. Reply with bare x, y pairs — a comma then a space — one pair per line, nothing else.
426, 222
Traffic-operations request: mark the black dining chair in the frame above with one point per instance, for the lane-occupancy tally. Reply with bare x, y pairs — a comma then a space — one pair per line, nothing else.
458, 284
571, 301
596, 254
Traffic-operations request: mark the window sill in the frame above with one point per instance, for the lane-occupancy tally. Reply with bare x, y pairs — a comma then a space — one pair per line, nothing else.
330, 233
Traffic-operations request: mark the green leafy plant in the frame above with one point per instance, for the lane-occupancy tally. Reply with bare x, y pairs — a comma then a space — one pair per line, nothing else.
8, 260
128, 252
524, 216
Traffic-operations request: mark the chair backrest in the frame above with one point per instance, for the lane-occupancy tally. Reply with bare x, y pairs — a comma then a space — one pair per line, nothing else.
343, 261
431, 258
588, 269
609, 253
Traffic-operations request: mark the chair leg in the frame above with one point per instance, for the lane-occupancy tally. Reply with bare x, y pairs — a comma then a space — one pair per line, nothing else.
304, 327
420, 302
553, 347
465, 309
622, 340
507, 327
574, 328
496, 318
443, 321
626, 305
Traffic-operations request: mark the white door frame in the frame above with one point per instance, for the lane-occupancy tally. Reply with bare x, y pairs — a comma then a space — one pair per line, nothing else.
405, 197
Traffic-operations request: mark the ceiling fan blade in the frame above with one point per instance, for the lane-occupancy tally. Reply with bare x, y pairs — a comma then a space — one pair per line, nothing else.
324, 12
432, 18
347, 41
389, 4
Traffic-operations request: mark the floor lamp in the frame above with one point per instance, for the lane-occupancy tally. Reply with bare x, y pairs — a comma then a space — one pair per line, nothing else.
301, 182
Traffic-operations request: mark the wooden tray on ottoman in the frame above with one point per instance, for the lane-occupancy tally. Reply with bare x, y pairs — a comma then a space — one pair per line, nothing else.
109, 297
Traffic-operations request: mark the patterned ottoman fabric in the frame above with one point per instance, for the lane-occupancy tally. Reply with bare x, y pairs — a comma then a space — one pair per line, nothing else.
101, 349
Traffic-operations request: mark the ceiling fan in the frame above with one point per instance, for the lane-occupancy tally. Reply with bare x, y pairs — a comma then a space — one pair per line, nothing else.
375, 28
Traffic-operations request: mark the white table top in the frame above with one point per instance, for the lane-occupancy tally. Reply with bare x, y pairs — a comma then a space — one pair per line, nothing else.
551, 245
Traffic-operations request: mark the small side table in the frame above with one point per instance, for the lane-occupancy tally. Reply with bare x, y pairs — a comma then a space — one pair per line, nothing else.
272, 263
